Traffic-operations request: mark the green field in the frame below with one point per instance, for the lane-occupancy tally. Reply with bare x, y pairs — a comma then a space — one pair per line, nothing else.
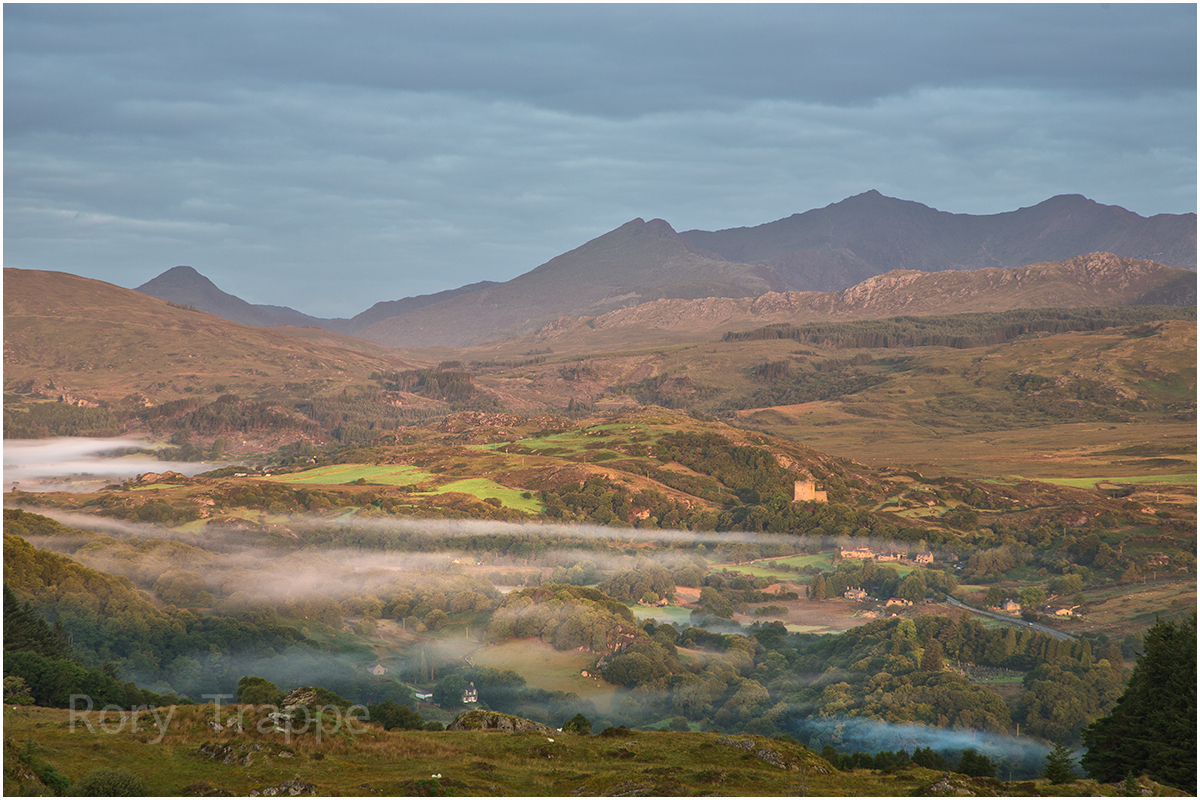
341, 474
483, 488
759, 572
662, 613
1182, 479
543, 667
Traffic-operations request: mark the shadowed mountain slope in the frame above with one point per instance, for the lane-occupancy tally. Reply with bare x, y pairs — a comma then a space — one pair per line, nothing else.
637, 262
845, 243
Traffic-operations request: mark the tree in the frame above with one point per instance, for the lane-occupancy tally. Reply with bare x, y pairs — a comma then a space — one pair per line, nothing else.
976, 765
449, 691
578, 724
16, 691
913, 588
931, 659
391, 715
1060, 763
258, 691
1032, 596
819, 591
1152, 729
994, 597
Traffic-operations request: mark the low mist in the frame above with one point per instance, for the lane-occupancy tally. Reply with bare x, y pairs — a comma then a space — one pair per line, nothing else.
75, 464
1023, 758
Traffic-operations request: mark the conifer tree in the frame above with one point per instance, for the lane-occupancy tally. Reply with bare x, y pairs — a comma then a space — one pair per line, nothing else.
1152, 729
1060, 764
931, 659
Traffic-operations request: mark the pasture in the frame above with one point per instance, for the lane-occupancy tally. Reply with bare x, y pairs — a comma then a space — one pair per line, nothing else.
543, 667
341, 474
485, 488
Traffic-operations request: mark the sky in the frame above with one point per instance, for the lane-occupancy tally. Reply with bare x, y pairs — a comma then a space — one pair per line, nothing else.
327, 157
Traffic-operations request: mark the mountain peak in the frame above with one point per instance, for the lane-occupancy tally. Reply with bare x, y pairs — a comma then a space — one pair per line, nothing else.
640, 227
176, 278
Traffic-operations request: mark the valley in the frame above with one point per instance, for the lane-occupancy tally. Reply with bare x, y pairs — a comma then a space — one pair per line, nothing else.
733, 524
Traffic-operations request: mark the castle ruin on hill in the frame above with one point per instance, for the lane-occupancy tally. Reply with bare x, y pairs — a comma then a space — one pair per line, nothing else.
807, 492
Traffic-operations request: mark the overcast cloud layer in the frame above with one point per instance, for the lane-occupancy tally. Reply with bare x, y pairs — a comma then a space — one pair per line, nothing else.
328, 157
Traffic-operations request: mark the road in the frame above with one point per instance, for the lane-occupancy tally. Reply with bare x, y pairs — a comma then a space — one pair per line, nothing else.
1064, 637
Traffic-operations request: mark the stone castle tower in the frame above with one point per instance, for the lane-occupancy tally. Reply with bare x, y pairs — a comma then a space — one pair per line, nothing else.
807, 492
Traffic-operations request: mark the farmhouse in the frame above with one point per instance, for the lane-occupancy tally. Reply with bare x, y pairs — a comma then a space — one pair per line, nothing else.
884, 557
470, 695
897, 601
924, 558
377, 669
855, 594
1011, 607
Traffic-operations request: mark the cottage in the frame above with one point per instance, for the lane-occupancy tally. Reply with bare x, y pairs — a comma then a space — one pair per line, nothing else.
855, 594
1010, 607
897, 601
377, 669
470, 695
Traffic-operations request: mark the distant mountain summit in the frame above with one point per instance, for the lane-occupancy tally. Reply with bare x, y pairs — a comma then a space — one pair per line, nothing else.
186, 286
845, 243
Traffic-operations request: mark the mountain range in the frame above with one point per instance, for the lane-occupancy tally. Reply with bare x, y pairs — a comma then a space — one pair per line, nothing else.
823, 250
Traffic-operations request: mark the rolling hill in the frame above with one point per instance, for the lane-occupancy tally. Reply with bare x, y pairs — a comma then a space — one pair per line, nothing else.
89, 341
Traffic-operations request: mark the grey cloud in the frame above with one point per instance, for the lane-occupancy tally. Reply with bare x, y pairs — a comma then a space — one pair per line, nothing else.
371, 152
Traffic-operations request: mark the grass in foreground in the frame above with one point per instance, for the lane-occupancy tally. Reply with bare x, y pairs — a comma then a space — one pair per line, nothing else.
190, 759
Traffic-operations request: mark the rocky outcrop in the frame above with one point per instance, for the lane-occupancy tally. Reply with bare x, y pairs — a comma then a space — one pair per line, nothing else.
293, 788
767, 754
495, 721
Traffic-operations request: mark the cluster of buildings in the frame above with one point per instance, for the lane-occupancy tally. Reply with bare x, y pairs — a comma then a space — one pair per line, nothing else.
867, 553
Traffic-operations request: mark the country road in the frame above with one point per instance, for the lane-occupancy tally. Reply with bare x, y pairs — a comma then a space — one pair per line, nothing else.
1065, 637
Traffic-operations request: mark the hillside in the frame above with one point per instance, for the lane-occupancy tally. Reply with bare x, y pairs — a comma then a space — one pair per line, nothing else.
193, 761
869, 234
1096, 279
88, 342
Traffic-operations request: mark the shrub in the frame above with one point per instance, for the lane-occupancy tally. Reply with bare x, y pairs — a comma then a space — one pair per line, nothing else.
112, 783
